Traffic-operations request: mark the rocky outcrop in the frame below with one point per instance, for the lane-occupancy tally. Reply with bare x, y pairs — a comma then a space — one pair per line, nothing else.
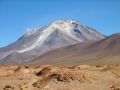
79, 77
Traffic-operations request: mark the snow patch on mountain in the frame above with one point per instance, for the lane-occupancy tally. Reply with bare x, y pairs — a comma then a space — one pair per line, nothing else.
68, 28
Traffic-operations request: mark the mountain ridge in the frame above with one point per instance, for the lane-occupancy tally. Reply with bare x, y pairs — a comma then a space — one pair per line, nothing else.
105, 51
36, 42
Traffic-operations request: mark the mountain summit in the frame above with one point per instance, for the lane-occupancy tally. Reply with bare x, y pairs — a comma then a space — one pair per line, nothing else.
58, 34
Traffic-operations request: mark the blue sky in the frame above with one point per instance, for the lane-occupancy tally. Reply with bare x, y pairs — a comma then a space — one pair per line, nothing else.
18, 15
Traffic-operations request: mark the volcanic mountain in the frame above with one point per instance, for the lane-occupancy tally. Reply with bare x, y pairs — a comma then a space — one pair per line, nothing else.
105, 51
37, 42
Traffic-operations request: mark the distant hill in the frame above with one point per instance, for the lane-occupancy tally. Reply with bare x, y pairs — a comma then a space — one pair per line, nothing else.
105, 51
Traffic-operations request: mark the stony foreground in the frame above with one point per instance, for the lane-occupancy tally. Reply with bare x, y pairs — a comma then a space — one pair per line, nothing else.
47, 77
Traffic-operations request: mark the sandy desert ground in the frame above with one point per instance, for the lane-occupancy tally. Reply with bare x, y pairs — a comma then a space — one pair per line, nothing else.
47, 77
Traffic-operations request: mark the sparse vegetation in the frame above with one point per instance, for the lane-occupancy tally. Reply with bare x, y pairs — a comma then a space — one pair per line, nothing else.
8, 87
